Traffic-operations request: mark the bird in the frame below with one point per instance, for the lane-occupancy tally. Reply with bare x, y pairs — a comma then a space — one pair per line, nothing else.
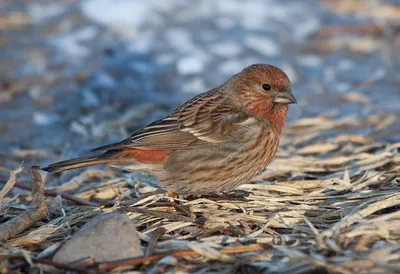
213, 143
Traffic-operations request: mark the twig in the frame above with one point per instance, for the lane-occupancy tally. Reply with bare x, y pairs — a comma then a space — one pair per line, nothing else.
29, 217
87, 261
156, 235
160, 214
66, 196
181, 209
53, 193
145, 260
47, 262
10, 183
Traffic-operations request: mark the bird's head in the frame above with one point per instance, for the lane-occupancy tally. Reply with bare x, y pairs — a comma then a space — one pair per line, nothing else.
263, 91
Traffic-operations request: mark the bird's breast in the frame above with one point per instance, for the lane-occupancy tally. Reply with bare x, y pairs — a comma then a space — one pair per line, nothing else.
263, 148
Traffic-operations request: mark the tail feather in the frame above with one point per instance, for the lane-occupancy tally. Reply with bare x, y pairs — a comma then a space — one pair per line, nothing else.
130, 156
76, 163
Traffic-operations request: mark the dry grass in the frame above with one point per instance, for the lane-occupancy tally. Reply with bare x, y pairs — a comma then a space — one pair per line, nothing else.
330, 201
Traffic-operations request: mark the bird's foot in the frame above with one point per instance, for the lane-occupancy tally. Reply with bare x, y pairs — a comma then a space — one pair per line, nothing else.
240, 195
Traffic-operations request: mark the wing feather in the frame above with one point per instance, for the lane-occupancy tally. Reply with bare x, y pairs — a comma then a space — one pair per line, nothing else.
208, 117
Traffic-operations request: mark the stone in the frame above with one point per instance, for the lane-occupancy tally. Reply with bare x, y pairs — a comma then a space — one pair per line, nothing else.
106, 237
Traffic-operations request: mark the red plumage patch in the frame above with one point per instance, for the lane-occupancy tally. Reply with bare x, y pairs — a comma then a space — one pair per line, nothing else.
144, 156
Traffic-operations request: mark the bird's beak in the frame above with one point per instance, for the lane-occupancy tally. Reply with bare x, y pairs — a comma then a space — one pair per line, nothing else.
285, 98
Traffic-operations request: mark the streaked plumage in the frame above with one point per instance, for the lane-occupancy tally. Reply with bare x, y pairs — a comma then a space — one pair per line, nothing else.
215, 142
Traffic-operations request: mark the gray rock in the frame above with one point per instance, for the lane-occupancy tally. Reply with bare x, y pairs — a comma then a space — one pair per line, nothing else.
106, 237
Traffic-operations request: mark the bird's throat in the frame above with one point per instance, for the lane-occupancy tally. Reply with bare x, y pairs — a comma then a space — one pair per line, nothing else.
276, 118
275, 115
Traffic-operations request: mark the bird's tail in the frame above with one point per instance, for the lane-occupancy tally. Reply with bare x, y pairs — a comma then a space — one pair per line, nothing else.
130, 156
76, 163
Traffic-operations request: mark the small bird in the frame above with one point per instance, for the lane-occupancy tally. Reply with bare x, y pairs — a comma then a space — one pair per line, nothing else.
214, 142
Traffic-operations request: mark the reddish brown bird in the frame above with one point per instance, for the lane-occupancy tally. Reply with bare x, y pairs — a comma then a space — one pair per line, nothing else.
215, 142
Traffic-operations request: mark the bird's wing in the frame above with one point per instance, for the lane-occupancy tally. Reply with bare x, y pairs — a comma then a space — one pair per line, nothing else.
208, 117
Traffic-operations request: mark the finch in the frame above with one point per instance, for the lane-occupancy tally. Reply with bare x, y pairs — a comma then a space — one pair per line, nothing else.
214, 142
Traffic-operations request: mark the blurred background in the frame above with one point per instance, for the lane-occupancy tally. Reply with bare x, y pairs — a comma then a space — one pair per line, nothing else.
78, 74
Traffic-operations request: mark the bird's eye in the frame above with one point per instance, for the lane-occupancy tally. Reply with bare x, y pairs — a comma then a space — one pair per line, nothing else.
266, 87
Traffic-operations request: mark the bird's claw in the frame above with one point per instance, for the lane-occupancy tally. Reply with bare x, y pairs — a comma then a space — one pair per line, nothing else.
237, 195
